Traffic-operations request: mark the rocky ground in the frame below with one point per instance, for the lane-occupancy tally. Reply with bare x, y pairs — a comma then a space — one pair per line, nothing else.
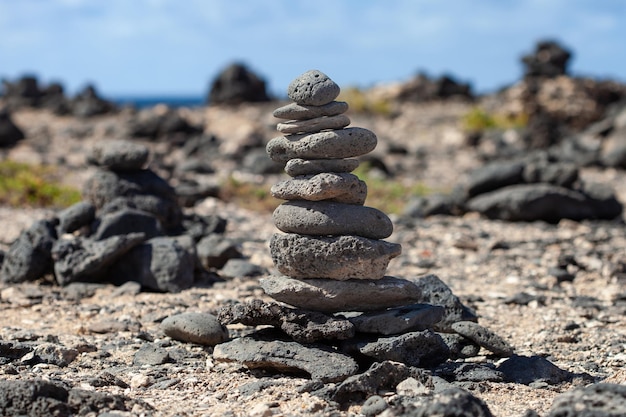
511, 274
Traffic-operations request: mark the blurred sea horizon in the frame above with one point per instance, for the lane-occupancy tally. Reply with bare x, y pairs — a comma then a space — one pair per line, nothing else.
144, 101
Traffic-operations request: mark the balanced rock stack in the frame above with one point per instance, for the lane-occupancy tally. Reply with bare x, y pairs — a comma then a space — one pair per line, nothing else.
329, 233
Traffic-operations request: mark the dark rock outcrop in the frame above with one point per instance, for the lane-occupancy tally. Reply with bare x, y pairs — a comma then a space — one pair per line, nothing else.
237, 84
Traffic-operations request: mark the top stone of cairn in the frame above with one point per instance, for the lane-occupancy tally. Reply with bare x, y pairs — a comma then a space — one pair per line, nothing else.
313, 88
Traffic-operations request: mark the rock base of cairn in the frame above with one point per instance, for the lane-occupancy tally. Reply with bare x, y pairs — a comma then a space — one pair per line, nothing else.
332, 289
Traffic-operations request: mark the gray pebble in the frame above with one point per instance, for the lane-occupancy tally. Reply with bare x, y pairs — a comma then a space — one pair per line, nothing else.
298, 166
313, 88
119, 155
337, 187
151, 354
373, 406
314, 125
200, 328
321, 218
295, 111
345, 143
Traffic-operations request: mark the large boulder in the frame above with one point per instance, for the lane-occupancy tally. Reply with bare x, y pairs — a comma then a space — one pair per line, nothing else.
237, 84
548, 60
10, 134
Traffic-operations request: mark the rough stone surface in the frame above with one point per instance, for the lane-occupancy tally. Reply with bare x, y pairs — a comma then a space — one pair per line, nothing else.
29, 257
483, 337
127, 221
319, 361
160, 264
215, 250
295, 111
423, 349
596, 400
80, 259
302, 325
340, 257
313, 88
333, 296
200, 328
345, 143
327, 218
33, 398
385, 375
314, 125
435, 291
337, 187
398, 320
298, 166
449, 402
119, 155
530, 369
76, 216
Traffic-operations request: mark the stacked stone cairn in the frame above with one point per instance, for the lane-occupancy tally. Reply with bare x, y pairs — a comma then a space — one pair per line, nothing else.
332, 261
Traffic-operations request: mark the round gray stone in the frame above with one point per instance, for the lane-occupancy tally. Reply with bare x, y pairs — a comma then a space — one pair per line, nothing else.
338, 187
331, 296
340, 258
298, 166
313, 88
314, 125
119, 155
320, 218
200, 328
344, 143
483, 337
295, 111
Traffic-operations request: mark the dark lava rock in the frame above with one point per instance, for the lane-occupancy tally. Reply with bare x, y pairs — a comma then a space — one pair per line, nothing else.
14, 350
151, 354
318, 361
119, 155
88, 103
550, 203
451, 402
381, 376
460, 347
397, 320
156, 125
422, 349
201, 328
241, 268
85, 402
483, 337
434, 291
494, 176
237, 84
82, 259
29, 257
127, 221
548, 60
33, 398
159, 264
215, 250
10, 134
529, 369
198, 226
143, 190
614, 149
596, 400
302, 325
472, 372
76, 216
53, 354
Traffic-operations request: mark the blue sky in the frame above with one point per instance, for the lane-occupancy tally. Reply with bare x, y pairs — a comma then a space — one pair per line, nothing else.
179, 46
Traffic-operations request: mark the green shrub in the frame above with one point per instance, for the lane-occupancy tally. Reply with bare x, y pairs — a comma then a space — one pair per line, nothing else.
359, 102
479, 120
34, 186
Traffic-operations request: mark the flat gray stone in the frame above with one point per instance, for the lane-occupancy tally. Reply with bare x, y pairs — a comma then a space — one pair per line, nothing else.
423, 349
337, 187
126, 221
303, 326
339, 258
201, 328
483, 337
313, 88
532, 369
344, 143
295, 111
81, 259
76, 216
333, 296
319, 361
298, 166
313, 125
322, 218
397, 320
119, 155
